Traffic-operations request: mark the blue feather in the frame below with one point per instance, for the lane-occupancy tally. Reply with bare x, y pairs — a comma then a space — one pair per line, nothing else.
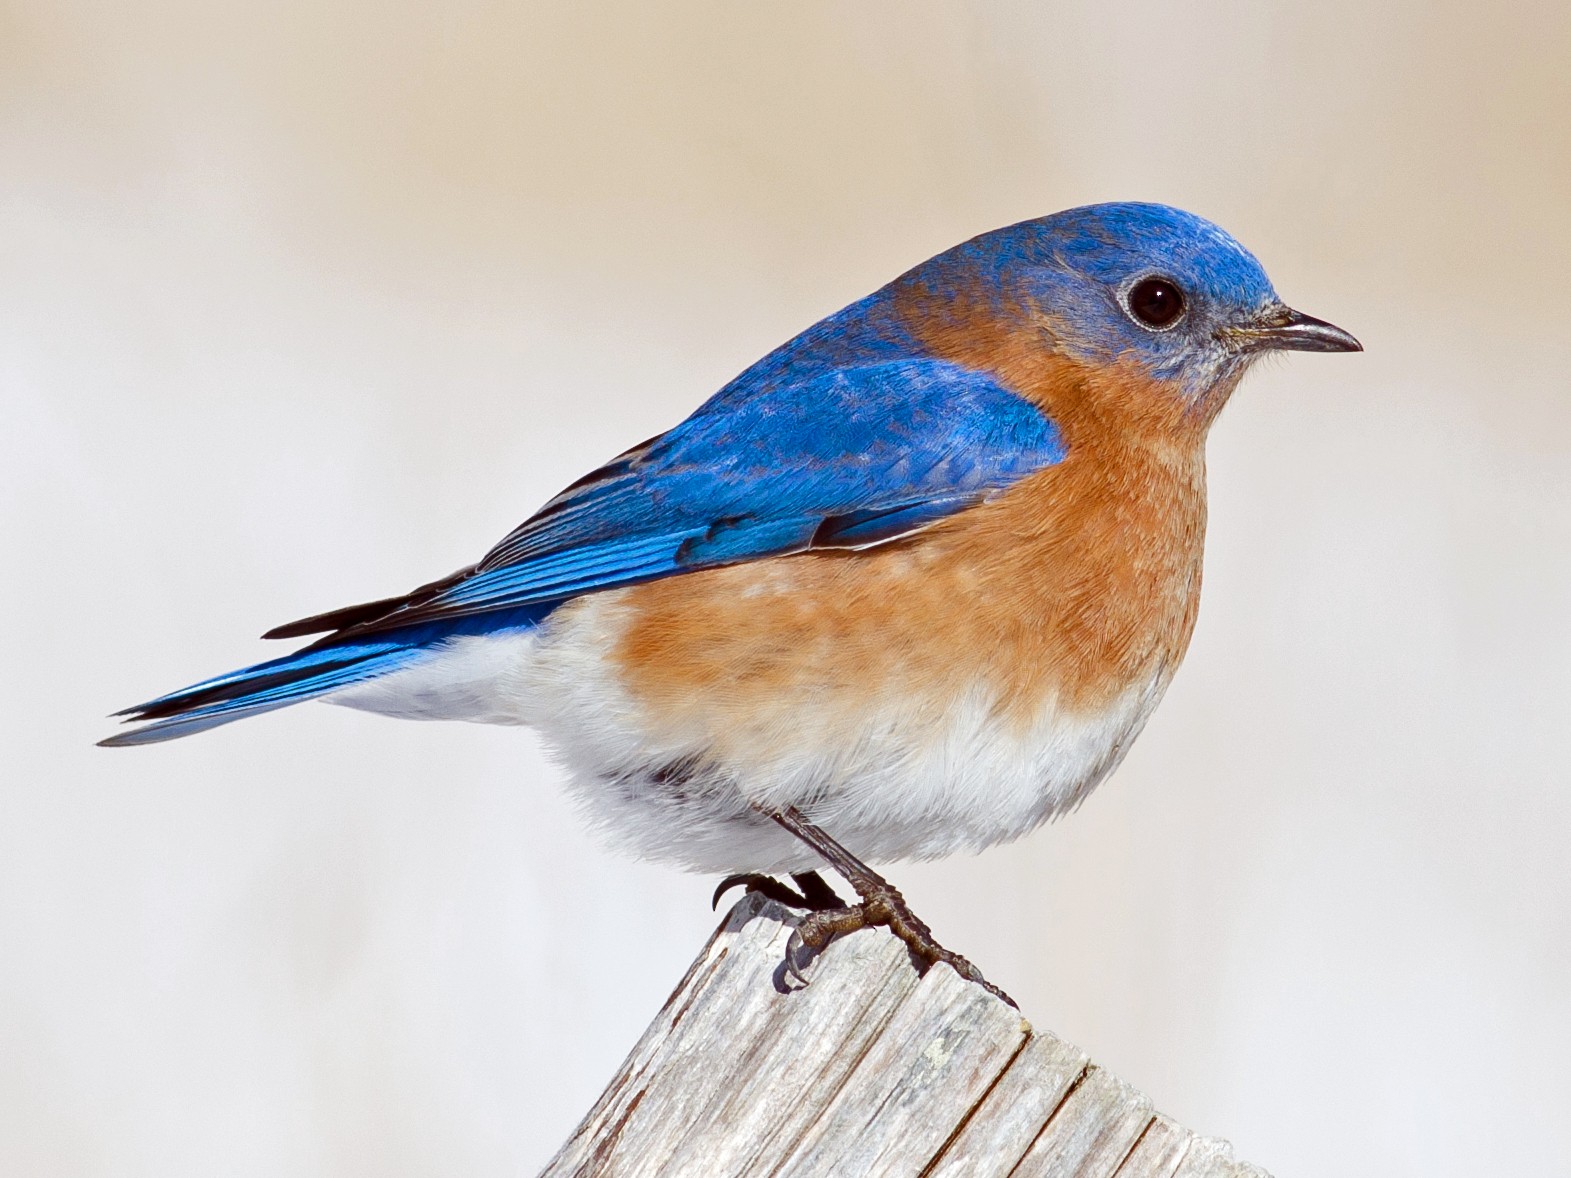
829, 442
316, 670
757, 473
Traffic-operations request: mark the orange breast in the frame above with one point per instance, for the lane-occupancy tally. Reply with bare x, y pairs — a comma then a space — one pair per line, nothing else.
1071, 588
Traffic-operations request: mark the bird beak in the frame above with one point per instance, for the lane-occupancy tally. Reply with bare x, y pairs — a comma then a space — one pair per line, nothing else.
1281, 328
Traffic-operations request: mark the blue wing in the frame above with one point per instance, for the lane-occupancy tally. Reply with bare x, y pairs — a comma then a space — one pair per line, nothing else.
853, 458
847, 458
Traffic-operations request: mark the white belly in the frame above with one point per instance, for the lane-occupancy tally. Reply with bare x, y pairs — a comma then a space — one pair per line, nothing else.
900, 779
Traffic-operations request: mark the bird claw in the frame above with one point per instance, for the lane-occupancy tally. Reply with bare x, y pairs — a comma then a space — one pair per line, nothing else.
795, 947
827, 916
764, 885
814, 895
884, 906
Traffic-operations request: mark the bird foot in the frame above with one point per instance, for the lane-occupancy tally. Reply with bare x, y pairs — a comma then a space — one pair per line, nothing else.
881, 905
812, 893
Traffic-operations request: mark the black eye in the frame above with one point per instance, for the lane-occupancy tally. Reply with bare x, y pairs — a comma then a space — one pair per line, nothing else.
1156, 302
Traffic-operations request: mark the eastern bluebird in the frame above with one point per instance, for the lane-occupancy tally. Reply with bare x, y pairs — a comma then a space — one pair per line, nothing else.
916, 578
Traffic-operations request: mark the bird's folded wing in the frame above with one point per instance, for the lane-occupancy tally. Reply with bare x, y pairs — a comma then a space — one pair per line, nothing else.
850, 459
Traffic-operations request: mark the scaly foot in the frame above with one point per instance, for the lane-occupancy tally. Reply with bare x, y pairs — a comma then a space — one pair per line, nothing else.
881, 904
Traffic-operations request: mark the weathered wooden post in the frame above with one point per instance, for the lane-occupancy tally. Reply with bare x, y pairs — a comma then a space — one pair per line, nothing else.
869, 1070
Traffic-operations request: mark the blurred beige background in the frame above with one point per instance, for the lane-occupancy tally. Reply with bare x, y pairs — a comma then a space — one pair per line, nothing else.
303, 303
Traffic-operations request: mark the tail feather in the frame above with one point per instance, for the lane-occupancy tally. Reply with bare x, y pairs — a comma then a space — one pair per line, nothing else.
325, 666
261, 688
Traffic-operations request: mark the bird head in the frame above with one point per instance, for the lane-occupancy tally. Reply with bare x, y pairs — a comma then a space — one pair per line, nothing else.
1145, 284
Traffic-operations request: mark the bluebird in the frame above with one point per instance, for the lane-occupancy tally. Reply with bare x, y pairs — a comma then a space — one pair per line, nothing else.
909, 585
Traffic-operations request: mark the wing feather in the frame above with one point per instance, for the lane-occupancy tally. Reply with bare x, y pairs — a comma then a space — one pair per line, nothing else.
857, 457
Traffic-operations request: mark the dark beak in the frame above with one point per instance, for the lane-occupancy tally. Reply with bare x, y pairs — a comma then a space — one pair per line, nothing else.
1284, 329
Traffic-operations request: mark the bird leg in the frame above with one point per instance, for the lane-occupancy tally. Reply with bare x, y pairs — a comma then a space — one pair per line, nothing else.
881, 904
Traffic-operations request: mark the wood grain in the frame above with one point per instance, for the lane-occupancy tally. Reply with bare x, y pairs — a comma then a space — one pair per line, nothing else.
870, 1070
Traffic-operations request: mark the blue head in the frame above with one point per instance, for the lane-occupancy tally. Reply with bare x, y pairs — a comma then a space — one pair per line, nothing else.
1145, 283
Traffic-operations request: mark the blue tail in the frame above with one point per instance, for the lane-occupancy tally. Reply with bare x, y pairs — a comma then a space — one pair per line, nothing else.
316, 670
